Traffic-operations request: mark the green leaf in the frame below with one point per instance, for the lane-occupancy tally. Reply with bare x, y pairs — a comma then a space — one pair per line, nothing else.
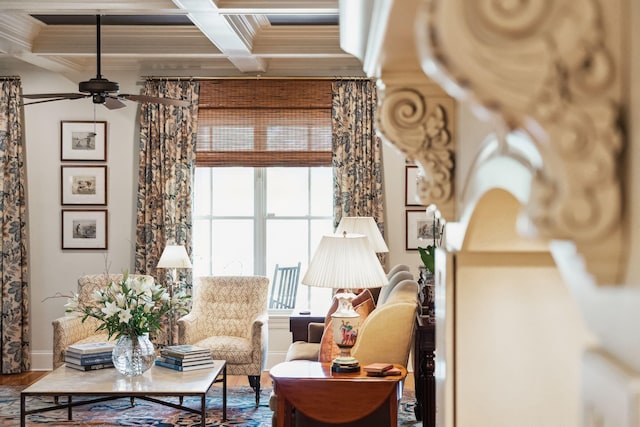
428, 256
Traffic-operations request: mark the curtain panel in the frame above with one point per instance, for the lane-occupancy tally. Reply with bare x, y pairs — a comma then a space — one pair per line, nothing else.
357, 153
16, 350
167, 162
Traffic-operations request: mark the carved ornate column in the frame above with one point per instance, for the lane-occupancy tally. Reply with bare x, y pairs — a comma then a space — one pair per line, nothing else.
552, 69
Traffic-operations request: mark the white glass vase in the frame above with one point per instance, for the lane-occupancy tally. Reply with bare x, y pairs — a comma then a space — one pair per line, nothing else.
133, 356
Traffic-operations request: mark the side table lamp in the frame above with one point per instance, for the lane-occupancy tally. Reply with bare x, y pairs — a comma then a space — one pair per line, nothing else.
346, 262
173, 257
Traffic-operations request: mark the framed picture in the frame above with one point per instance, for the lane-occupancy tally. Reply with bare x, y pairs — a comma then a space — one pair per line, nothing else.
83, 185
410, 186
419, 228
83, 141
84, 229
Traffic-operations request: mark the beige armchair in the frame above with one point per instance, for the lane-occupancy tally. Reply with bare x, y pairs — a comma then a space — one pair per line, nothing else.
229, 317
69, 330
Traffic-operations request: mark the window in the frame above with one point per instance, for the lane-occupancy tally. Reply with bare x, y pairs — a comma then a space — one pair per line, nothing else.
247, 220
263, 183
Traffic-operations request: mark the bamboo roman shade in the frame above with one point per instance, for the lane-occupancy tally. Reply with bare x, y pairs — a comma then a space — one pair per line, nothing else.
261, 123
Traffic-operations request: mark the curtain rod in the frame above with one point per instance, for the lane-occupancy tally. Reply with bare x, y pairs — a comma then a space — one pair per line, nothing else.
9, 77
178, 78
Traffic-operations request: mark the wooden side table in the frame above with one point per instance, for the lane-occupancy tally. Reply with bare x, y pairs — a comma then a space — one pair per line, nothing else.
331, 397
424, 369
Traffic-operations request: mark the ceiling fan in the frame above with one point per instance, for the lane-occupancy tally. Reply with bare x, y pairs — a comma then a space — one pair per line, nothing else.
101, 90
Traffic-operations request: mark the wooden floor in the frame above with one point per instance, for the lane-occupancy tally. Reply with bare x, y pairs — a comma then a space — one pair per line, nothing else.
30, 377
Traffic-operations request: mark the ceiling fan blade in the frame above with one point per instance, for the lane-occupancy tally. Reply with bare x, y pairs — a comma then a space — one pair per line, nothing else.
55, 95
153, 99
54, 99
113, 103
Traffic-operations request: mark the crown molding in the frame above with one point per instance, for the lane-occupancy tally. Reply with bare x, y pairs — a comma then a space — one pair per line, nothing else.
282, 6
91, 7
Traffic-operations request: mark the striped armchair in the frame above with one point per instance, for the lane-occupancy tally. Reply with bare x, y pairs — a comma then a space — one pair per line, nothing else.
229, 317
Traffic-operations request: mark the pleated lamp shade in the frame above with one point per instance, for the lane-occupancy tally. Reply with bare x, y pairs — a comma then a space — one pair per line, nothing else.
345, 261
363, 225
174, 256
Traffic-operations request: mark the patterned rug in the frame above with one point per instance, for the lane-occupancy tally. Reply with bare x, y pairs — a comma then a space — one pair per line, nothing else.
241, 411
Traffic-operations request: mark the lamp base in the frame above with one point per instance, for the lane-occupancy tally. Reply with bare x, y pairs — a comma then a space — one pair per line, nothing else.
339, 367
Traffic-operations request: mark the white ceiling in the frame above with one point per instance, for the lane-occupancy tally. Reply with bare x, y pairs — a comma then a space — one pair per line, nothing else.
227, 38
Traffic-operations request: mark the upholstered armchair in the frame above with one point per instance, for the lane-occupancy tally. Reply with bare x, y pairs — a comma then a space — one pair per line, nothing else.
229, 317
69, 330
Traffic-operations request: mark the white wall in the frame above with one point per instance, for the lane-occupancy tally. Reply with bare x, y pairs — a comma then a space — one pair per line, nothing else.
519, 343
394, 185
54, 271
519, 336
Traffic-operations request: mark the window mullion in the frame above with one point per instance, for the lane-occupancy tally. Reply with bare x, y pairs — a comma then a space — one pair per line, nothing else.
260, 226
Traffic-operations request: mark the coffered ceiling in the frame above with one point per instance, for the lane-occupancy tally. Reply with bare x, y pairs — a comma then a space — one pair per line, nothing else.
176, 37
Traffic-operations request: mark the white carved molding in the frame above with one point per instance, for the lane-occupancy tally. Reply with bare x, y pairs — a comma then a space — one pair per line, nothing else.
420, 123
552, 69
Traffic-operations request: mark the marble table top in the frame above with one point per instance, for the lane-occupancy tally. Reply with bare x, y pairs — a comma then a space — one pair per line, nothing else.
157, 380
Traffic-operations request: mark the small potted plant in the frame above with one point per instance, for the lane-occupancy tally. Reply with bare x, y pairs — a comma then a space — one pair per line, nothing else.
427, 280
428, 256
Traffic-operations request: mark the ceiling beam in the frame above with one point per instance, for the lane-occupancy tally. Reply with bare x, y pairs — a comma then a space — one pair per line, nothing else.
235, 41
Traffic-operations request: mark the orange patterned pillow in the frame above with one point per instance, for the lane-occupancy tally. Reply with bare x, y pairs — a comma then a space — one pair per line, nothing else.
328, 348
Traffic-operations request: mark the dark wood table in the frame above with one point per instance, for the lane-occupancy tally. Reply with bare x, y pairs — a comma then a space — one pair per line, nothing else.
424, 369
299, 323
325, 396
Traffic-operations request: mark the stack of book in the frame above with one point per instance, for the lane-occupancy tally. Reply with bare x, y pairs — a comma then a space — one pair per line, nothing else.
89, 356
184, 358
380, 369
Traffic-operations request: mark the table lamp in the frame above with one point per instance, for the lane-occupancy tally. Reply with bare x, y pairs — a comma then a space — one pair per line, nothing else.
173, 257
364, 225
345, 261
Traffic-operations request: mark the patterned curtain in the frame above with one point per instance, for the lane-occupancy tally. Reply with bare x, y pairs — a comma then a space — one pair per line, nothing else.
357, 153
167, 163
16, 351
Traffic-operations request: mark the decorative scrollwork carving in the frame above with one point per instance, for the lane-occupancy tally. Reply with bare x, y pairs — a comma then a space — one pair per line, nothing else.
421, 129
550, 68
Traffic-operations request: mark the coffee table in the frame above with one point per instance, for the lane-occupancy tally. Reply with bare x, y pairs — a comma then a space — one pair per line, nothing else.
109, 384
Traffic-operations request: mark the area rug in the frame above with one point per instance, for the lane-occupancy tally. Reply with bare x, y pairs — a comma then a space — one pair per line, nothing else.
241, 411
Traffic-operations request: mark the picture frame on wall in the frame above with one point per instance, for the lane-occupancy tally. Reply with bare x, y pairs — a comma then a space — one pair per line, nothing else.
419, 229
83, 141
83, 185
84, 229
410, 186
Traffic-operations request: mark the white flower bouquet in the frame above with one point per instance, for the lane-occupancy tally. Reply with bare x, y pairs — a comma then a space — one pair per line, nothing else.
134, 306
